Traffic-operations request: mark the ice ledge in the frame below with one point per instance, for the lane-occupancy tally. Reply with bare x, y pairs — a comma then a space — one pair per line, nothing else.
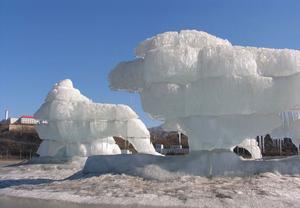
201, 163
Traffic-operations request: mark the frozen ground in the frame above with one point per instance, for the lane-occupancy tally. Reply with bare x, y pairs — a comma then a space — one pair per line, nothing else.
65, 182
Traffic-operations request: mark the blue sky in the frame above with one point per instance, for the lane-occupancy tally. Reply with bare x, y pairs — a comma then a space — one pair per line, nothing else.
42, 42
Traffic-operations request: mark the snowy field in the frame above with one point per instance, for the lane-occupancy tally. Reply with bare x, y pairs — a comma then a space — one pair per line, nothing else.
63, 185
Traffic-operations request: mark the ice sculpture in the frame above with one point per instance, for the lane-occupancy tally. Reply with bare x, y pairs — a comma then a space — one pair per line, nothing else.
71, 124
216, 93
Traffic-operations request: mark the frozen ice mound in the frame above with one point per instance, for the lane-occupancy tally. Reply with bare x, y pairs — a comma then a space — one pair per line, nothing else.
208, 163
216, 92
251, 146
72, 124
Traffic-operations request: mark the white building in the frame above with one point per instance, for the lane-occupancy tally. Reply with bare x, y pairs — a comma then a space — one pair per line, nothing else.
22, 120
27, 120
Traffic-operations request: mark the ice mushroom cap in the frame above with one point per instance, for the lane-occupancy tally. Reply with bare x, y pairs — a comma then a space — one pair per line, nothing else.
188, 73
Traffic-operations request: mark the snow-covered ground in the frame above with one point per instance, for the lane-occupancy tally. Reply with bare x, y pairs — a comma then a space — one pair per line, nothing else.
65, 182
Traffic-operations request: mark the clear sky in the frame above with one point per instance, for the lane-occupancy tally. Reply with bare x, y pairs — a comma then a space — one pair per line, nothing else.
42, 42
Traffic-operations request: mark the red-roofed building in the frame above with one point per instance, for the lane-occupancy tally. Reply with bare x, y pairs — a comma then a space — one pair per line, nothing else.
26, 117
27, 120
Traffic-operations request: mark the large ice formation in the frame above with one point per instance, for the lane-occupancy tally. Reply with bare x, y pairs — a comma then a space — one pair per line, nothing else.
71, 124
217, 93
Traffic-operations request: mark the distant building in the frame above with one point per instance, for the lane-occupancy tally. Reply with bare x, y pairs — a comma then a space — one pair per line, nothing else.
169, 142
18, 137
24, 124
175, 149
27, 120
24, 120
9, 121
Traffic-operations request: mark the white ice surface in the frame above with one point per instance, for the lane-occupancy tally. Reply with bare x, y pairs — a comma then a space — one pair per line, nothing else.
77, 126
51, 182
216, 92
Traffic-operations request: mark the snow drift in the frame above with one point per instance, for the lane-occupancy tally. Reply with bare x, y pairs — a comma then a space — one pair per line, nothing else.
71, 124
216, 93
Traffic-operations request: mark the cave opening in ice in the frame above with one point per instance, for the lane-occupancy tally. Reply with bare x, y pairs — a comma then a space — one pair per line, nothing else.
71, 124
215, 92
